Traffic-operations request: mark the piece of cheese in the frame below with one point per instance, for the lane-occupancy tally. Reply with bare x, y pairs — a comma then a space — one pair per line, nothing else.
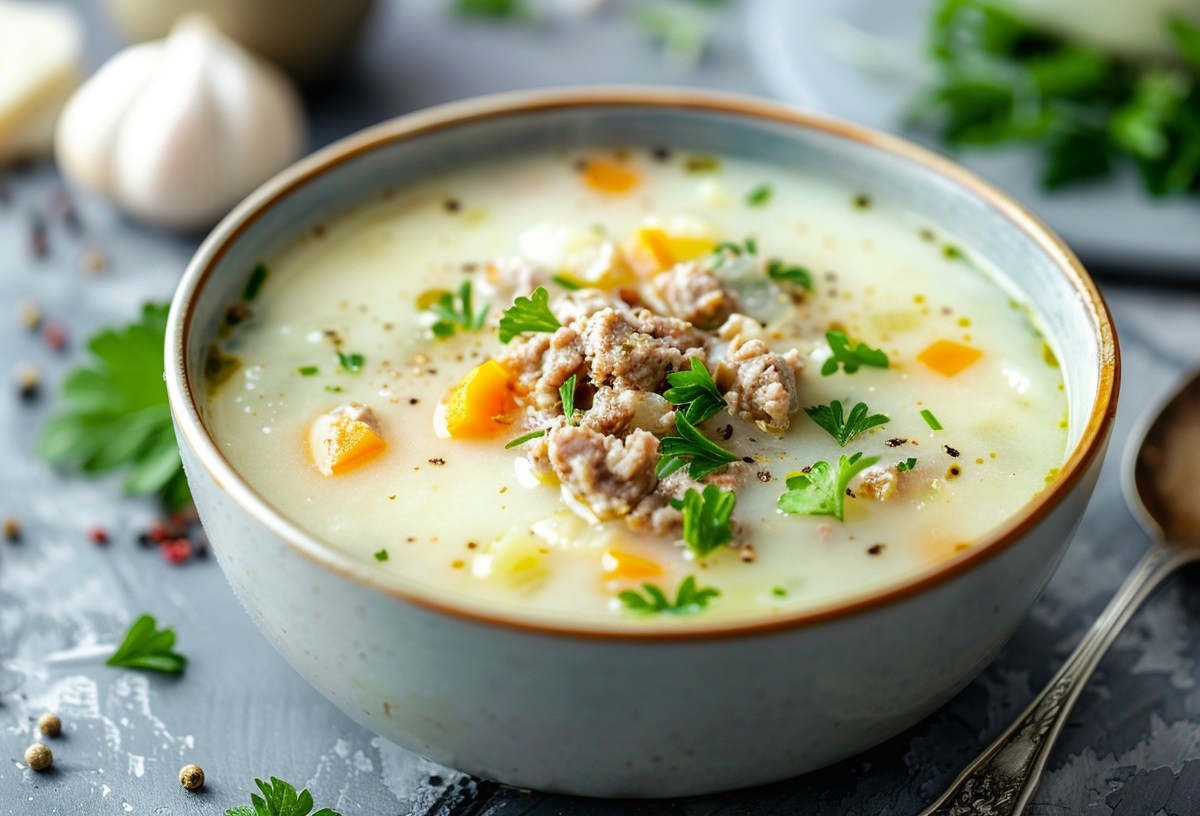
40, 50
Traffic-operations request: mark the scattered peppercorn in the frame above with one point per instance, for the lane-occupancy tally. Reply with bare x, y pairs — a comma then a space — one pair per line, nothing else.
451, 205
951, 451
862, 201
875, 549
895, 442
661, 153
191, 777
50, 724
764, 476
437, 461
38, 757
12, 530
98, 535
29, 381
29, 315
727, 432
176, 550
54, 336
63, 208
236, 313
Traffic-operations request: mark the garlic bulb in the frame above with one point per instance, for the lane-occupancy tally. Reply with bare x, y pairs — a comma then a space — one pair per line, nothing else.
178, 131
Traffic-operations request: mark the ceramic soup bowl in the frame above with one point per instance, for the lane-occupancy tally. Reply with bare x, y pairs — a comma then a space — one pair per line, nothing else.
660, 711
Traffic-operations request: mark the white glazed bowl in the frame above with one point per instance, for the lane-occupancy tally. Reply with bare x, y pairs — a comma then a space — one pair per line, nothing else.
657, 712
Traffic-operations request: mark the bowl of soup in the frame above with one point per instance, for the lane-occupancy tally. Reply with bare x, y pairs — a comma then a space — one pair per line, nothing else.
637, 442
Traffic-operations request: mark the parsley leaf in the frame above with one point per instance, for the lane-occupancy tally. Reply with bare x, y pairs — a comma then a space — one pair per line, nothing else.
760, 196
688, 599
906, 465
706, 515
493, 9
381, 555
850, 359
930, 420
695, 393
254, 284
523, 438
351, 362
279, 798
570, 284
822, 490
455, 312
566, 392
780, 272
528, 314
147, 647
843, 429
114, 412
692, 449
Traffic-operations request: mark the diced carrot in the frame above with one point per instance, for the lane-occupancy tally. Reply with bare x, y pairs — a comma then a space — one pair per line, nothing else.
621, 565
654, 249
479, 406
607, 176
343, 439
949, 358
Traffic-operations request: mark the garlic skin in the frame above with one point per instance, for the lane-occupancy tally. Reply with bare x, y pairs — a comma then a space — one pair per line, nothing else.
178, 131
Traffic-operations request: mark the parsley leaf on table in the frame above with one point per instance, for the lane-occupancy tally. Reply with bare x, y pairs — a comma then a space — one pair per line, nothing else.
528, 314
279, 798
822, 490
688, 599
147, 647
692, 449
706, 515
850, 358
843, 429
455, 312
695, 393
114, 412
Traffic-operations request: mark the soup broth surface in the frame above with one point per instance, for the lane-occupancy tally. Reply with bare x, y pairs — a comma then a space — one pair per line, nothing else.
972, 404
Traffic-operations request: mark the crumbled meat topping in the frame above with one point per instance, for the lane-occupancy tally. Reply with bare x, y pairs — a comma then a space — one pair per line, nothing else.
611, 475
760, 384
692, 293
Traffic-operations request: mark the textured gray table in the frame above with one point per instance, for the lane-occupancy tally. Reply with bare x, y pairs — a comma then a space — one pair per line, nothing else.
1131, 747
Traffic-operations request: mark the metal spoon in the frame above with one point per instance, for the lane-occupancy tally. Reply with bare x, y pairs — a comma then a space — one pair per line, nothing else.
1162, 486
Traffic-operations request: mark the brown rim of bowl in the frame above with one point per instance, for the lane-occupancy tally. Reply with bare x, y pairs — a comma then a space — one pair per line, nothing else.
192, 429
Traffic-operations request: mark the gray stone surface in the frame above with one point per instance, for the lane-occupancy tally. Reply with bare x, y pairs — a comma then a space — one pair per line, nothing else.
1131, 747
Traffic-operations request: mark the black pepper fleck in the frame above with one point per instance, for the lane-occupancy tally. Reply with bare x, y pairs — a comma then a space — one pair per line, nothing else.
952, 451
451, 205
764, 476
661, 153
437, 460
875, 549
749, 460
727, 432
895, 442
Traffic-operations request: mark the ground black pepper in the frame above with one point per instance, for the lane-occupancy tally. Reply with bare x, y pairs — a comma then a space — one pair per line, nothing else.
951, 451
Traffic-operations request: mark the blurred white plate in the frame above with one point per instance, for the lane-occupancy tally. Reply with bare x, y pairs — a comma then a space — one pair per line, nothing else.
862, 60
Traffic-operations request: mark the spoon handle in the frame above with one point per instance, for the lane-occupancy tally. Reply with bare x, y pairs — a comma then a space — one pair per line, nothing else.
1001, 780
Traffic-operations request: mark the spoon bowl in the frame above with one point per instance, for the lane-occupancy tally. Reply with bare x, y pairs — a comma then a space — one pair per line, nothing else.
1162, 482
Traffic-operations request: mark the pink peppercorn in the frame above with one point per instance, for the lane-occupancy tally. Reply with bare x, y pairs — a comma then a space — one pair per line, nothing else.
98, 535
176, 550
54, 336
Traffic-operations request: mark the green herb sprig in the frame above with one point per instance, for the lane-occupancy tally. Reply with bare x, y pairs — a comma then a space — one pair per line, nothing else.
279, 798
821, 491
760, 196
695, 393
844, 428
1001, 79
907, 465
706, 518
691, 449
850, 357
352, 363
528, 314
523, 438
780, 272
689, 599
455, 312
114, 413
566, 393
147, 647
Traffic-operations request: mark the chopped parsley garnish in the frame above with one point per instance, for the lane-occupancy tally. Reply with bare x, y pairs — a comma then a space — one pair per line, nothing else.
821, 491
931, 420
690, 448
381, 555
147, 647
493, 9
760, 196
114, 412
779, 592
843, 429
570, 284
747, 247
254, 283
308, 371
528, 314
780, 272
333, 389
1001, 79
279, 799
695, 393
907, 465
688, 599
352, 363
523, 438
850, 359
455, 312
566, 392
706, 525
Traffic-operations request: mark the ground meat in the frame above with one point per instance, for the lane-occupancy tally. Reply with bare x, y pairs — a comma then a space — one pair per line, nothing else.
739, 325
692, 293
877, 482
611, 411
636, 350
654, 514
760, 385
570, 306
611, 475
544, 362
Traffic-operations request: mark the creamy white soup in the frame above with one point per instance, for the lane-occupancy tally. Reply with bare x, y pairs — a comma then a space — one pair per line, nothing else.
637, 385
